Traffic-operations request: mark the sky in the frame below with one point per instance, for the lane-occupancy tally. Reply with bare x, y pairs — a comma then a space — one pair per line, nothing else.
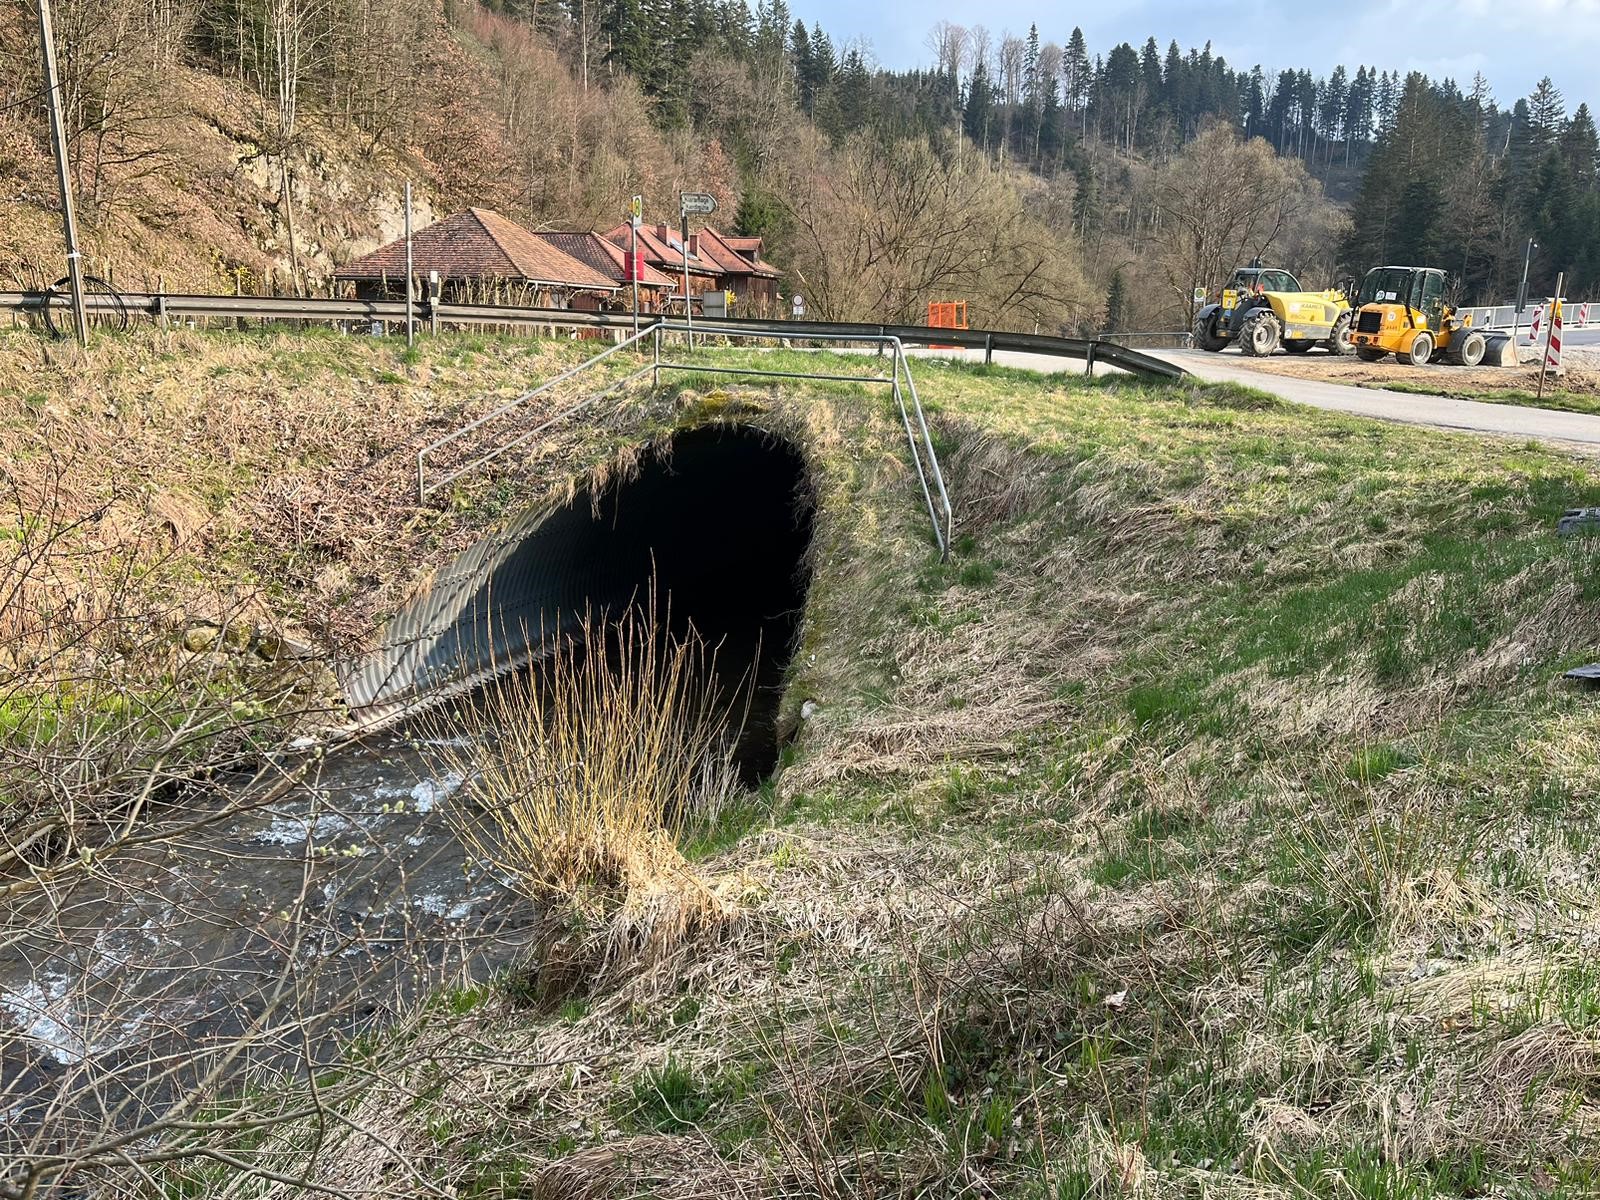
1513, 42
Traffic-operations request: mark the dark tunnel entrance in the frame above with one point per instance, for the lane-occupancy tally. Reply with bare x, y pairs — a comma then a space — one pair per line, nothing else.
720, 520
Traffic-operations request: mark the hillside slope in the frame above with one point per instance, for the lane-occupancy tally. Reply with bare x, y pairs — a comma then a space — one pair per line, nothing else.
1214, 823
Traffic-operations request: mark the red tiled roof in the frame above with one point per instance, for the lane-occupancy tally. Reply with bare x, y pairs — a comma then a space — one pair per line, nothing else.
604, 256
663, 250
479, 244
717, 248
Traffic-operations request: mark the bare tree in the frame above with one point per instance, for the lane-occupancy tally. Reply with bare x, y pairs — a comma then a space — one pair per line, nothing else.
948, 42
1225, 201
883, 230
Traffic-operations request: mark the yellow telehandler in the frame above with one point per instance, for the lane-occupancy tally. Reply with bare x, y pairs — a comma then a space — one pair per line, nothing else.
1263, 308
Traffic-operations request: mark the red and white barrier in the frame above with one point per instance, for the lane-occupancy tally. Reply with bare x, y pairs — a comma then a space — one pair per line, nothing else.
1552, 354
1533, 330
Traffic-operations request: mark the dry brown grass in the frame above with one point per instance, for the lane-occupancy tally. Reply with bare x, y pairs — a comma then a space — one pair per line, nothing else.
586, 771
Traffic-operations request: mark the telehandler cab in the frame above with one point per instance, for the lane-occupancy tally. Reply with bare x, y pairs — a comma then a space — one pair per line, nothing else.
1401, 311
1264, 308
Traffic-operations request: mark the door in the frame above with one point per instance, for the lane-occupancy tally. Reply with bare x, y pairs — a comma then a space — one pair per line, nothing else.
1432, 300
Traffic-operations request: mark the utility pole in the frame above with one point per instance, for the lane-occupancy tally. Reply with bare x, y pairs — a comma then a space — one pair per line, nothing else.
411, 328
58, 136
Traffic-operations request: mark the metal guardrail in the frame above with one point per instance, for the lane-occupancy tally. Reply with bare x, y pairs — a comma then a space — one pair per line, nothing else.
163, 307
924, 457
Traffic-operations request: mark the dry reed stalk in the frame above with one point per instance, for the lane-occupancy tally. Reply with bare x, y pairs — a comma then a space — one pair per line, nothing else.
587, 771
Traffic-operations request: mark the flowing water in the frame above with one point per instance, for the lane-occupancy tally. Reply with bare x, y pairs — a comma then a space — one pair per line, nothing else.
304, 920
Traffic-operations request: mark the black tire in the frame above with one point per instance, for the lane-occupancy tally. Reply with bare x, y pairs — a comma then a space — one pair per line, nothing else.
1370, 354
1297, 345
1339, 340
1467, 347
1206, 336
1260, 335
1421, 352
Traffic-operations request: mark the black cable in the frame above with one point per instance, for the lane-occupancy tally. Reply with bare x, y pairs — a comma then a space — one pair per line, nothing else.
91, 283
4, 108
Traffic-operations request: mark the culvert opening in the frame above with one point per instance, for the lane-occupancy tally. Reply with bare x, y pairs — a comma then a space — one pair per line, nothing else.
714, 528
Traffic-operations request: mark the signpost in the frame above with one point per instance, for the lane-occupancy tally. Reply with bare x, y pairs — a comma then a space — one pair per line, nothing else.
1522, 291
700, 204
635, 216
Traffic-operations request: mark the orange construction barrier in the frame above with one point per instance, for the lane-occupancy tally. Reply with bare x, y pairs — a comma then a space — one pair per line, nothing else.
947, 314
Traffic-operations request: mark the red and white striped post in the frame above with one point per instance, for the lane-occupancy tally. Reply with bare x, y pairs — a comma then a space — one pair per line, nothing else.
1552, 349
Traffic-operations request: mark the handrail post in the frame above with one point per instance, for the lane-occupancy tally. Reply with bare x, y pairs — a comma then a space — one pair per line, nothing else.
655, 370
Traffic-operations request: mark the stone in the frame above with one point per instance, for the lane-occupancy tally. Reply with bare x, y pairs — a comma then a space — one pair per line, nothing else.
1579, 520
201, 636
236, 636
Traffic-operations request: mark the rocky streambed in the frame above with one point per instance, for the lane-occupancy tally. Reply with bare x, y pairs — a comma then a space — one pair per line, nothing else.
301, 921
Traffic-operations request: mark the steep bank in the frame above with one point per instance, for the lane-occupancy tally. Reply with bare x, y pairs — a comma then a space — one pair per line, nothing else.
1214, 822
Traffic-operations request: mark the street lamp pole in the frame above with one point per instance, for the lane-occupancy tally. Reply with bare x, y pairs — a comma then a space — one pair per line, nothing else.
1522, 292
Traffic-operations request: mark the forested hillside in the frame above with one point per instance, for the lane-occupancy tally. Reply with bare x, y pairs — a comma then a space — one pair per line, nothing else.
258, 143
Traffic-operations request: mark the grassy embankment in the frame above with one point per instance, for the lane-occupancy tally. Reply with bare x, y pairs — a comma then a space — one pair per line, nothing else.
187, 508
1215, 823
1559, 393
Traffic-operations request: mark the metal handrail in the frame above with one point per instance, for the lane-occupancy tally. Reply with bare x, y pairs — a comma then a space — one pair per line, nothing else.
424, 488
924, 457
944, 531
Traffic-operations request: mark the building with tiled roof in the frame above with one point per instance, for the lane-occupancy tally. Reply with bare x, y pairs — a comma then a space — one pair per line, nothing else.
608, 258
753, 281
481, 255
661, 248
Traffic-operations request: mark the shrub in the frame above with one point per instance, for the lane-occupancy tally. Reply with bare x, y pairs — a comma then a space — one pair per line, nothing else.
587, 769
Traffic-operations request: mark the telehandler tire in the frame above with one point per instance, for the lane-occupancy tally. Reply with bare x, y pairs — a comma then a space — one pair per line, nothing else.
1339, 340
1260, 335
1421, 352
1206, 336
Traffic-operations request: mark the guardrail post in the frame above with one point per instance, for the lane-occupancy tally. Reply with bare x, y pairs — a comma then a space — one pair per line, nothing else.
1088, 360
988, 349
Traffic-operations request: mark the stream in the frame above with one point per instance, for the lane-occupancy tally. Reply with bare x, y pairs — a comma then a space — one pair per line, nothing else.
344, 899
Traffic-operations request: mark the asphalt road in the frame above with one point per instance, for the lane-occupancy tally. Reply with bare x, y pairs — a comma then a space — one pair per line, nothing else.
1440, 412
1577, 430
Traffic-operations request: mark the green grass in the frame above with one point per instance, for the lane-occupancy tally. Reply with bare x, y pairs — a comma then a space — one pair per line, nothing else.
1555, 397
1214, 819
669, 1098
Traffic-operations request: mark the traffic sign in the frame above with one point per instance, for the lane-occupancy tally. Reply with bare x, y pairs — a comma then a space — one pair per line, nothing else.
698, 204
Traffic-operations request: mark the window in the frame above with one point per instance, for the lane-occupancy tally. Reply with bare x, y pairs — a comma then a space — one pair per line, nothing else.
1385, 285
1431, 297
